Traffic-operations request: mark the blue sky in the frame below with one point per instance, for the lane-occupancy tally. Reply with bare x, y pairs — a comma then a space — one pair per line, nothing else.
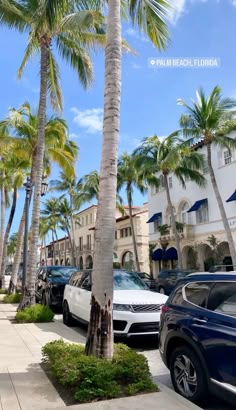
199, 28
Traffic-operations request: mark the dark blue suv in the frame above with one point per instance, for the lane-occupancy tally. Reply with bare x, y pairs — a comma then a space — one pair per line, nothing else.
197, 338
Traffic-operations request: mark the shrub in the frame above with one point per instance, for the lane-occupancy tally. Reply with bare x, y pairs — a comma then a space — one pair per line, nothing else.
90, 378
35, 313
3, 291
13, 298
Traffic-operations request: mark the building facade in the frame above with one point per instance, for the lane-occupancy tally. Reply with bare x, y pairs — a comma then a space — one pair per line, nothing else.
59, 253
202, 237
123, 255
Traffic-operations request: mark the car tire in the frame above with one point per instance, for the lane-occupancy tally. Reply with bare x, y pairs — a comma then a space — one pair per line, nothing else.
161, 290
187, 375
67, 318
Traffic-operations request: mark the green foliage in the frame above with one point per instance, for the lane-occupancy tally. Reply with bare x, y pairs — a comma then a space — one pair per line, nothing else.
3, 291
36, 313
179, 226
163, 229
14, 298
91, 378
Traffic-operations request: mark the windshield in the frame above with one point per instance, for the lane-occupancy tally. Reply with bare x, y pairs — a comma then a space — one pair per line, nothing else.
61, 272
124, 280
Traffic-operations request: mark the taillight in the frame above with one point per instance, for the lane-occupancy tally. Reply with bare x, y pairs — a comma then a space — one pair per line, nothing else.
164, 309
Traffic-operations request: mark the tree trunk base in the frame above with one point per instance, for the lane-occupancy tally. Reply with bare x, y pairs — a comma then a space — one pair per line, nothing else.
100, 332
12, 288
27, 300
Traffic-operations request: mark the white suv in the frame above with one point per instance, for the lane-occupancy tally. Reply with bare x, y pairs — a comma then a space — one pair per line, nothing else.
136, 310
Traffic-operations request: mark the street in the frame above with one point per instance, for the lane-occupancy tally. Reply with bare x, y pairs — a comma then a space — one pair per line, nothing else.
149, 347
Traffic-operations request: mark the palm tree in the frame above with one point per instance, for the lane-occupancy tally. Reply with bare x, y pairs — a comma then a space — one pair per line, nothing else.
23, 124
44, 228
73, 188
210, 119
168, 157
11, 246
66, 222
15, 171
150, 18
72, 29
131, 176
52, 216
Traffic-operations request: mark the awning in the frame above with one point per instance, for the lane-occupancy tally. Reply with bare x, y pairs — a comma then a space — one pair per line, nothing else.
232, 197
197, 205
171, 254
157, 255
155, 217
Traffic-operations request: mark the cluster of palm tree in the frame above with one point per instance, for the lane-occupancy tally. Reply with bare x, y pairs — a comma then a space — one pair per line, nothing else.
73, 28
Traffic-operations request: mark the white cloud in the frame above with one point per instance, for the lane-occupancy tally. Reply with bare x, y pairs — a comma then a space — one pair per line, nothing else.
233, 3
73, 136
90, 120
178, 9
135, 34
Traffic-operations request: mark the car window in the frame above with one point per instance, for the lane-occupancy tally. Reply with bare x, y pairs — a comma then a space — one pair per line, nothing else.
177, 297
61, 272
222, 298
86, 282
197, 293
75, 278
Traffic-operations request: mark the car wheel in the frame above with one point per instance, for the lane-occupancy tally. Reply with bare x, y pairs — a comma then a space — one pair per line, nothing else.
187, 375
162, 290
67, 318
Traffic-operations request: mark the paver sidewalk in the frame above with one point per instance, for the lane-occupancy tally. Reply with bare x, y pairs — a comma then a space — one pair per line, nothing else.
25, 386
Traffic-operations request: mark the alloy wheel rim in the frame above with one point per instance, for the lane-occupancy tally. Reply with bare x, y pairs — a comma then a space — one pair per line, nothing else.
185, 375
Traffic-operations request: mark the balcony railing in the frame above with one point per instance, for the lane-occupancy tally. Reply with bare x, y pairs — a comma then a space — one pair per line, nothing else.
84, 248
184, 233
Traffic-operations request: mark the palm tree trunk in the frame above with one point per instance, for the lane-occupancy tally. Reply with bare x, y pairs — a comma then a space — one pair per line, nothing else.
20, 237
100, 333
65, 252
59, 254
29, 294
70, 239
129, 198
8, 228
2, 224
221, 207
53, 248
73, 250
173, 223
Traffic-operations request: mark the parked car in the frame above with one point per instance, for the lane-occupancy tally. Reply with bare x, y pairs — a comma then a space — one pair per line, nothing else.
136, 310
150, 282
50, 284
167, 279
197, 338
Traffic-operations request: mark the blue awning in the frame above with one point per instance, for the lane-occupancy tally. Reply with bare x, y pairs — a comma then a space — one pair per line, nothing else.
171, 254
157, 255
232, 197
155, 217
197, 205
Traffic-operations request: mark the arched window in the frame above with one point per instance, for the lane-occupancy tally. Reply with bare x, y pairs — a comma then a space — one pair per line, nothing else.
128, 260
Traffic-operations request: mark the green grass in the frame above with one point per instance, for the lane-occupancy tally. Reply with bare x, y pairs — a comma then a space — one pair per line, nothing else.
3, 291
89, 378
33, 314
14, 298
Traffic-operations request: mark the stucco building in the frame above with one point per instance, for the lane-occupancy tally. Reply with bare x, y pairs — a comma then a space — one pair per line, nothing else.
197, 209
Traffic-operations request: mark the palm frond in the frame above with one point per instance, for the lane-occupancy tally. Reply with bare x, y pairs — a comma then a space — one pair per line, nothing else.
53, 83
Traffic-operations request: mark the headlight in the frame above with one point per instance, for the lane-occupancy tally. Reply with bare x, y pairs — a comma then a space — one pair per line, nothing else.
117, 306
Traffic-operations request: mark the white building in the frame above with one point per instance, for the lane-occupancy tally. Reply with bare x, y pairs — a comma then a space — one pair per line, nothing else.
197, 209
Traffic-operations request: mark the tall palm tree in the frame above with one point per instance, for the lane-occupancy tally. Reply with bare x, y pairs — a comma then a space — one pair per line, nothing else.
69, 185
15, 171
210, 119
131, 176
72, 29
168, 157
51, 214
23, 124
44, 228
149, 16
11, 246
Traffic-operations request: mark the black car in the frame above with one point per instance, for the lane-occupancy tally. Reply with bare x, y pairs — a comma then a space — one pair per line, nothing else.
148, 279
197, 339
50, 284
167, 279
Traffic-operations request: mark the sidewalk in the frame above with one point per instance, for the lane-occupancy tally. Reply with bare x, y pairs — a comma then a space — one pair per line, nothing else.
25, 386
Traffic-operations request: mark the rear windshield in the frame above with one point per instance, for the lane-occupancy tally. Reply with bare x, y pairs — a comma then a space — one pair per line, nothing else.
61, 272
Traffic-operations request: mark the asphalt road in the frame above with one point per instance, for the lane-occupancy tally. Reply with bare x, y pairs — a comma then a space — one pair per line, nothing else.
149, 347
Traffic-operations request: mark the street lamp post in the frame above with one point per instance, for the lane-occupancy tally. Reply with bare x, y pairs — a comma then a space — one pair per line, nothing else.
28, 187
